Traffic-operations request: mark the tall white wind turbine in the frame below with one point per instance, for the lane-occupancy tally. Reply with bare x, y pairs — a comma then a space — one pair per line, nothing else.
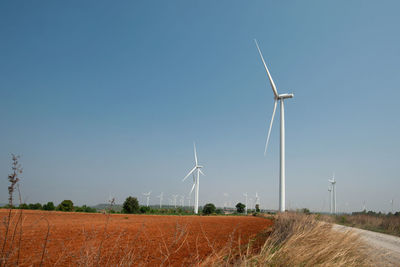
196, 169
161, 199
280, 98
333, 182
147, 195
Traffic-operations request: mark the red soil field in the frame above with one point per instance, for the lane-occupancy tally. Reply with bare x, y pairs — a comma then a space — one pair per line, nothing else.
119, 239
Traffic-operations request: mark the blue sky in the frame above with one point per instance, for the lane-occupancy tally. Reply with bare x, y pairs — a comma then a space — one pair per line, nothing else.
107, 98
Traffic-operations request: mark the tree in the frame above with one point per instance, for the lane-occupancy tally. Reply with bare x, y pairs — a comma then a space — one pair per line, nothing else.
144, 209
219, 211
23, 206
209, 209
257, 208
85, 208
240, 207
66, 205
36, 206
131, 205
49, 206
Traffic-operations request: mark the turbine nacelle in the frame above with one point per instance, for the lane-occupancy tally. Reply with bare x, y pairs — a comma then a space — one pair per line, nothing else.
284, 96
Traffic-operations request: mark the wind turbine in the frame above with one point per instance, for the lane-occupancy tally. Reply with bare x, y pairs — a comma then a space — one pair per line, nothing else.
161, 198
183, 201
333, 182
147, 195
257, 199
245, 195
391, 203
225, 201
280, 98
175, 197
196, 183
189, 198
330, 199
364, 208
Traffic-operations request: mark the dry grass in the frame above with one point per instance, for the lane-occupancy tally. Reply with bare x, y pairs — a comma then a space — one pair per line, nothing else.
384, 223
299, 240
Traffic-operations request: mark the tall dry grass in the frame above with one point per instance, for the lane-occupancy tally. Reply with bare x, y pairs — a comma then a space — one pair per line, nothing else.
299, 240
385, 223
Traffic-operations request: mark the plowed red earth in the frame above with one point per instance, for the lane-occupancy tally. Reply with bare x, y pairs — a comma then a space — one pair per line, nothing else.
96, 239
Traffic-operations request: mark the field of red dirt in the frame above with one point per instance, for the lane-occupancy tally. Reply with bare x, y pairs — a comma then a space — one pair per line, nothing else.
97, 239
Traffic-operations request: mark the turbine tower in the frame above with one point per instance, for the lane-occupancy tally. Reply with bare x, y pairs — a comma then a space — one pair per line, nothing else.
245, 195
174, 199
257, 199
330, 199
280, 98
147, 195
391, 203
189, 198
333, 182
161, 198
196, 183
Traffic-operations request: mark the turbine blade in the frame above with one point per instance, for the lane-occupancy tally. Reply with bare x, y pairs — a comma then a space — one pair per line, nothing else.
195, 154
189, 173
192, 188
266, 68
201, 172
270, 126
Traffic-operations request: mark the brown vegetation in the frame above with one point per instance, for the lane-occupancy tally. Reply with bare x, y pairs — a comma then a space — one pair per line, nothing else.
388, 224
299, 240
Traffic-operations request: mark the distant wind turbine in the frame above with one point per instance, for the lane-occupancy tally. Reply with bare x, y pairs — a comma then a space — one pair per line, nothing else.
245, 195
147, 195
189, 198
330, 199
280, 98
174, 199
161, 198
391, 203
333, 182
257, 199
196, 184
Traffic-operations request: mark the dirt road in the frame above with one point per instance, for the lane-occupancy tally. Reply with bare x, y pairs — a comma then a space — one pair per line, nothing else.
387, 247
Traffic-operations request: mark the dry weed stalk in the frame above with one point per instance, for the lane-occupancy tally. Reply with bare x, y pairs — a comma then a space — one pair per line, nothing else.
13, 178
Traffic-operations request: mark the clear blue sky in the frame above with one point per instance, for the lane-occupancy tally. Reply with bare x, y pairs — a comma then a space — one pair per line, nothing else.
102, 98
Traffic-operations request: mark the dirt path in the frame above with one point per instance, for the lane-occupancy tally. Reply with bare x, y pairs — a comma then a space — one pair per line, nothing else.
386, 246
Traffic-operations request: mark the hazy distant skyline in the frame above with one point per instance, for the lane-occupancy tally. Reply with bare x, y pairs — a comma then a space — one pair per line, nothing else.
107, 98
